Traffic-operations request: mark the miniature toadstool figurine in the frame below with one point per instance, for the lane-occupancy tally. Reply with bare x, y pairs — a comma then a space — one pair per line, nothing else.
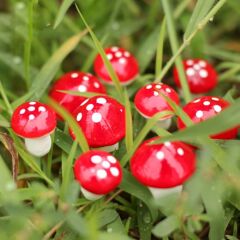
74, 81
34, 121
148, 101
201, 76
206, 107
98, 173
163, 168
124, 64
102, 119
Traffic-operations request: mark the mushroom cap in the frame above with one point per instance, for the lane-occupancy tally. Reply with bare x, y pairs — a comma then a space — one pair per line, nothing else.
98, 172
74, 81
33, 120
200, 74
206, 107
123, 62
148, 101
102, 119
163, 165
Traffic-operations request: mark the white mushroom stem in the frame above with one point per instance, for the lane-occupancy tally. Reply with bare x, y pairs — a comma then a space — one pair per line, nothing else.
165, 123
110, 148
89, 195
159, 193
38, 146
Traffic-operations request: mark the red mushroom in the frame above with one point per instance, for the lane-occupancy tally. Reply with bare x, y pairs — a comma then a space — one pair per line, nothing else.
148, 101
75, 81
163, 168
102, 119
206, 107
98, 173
34, 121
200, 74
123, 62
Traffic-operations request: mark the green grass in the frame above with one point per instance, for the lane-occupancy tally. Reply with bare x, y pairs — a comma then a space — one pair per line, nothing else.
40, 40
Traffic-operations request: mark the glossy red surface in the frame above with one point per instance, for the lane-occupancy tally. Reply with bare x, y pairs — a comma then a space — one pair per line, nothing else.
75, 81
98, 172
206, 107
148, 101
163, 165
102, 120
200, 74
33, 120
124, 64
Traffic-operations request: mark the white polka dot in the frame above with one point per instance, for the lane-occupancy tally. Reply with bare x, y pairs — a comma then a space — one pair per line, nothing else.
167, 144
89, 107
96, 159
203, 73
111, 159
106, 164
189, 62
114, 171
74, 75
196, 67
190, 72
82, 88
206, 103
214, 98
217, 108
96, 84
180, 151
32, 103
22, 111
96, 117
168, 90
31, 117
101, 100
85, 78
197, 100
109, 56
122, 60
118, 54
158, 86
79, 117
148, 86
126, 54
199, 114
114, 49
160, 155
202, 63
85, 101
101, 173
31, 108
155, 93
41, 109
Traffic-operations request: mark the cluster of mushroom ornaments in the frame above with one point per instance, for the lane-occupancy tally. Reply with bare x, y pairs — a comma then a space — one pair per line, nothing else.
162, 167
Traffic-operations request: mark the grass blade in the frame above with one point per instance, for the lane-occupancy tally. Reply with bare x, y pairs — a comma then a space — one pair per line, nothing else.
101, 51
159, 55
80, 138
128, 123
174, 45
62, 11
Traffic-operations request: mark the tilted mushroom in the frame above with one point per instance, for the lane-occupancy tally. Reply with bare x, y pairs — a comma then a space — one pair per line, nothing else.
206, 107
201, 76
102, 119
124, 64
34, 121
74, 81
148, 101
163, 168
98, 173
